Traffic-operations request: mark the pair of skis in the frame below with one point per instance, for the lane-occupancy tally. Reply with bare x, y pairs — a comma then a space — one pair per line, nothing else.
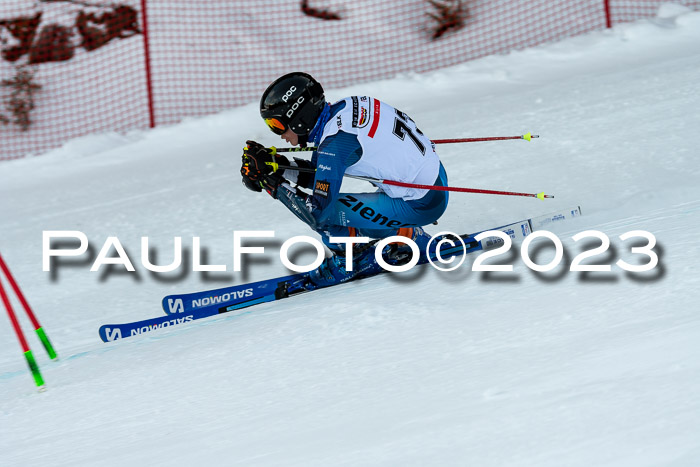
186, 308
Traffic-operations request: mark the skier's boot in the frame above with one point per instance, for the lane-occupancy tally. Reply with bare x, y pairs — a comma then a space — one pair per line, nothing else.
398, 254
333, 270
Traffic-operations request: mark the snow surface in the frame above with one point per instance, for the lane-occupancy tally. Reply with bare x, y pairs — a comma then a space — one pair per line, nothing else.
422, 368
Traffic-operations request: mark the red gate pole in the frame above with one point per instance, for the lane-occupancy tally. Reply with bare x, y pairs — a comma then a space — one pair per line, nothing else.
35, 322
608, 19
147, 58
33, 367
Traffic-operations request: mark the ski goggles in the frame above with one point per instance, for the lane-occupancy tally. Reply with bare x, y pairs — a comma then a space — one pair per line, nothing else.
276, 125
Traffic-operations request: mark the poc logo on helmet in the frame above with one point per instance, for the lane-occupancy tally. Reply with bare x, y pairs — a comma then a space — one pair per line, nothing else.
289, 93
295, 106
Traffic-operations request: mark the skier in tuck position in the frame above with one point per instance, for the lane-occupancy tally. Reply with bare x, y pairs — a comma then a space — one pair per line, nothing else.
358, 135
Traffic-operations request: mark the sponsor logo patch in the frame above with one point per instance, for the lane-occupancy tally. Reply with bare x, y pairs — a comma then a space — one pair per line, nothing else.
355, 110
360, 112
364, 117
322, 188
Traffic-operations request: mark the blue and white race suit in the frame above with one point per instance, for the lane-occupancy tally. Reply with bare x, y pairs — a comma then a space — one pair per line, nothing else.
363, 136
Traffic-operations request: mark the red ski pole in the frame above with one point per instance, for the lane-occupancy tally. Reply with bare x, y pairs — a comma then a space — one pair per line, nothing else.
33, 367
541, 196
526, 136
35, 322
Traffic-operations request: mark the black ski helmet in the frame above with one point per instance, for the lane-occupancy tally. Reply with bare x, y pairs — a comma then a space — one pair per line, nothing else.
294, 101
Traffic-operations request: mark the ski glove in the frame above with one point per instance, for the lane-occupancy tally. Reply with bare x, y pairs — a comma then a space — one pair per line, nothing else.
259, 168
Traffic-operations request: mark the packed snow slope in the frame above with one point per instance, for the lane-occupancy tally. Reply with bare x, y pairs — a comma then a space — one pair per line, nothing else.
422, 368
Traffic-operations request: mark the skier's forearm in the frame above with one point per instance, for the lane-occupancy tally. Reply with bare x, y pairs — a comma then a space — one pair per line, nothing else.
295, 203
302, 179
